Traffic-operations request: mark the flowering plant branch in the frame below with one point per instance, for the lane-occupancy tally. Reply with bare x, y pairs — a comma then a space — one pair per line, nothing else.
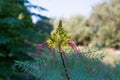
60, 39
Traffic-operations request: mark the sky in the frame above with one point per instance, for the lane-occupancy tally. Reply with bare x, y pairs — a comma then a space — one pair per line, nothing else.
65, 8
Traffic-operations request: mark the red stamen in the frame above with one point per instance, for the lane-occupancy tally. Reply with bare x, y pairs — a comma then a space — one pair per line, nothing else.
40, 46
75, 48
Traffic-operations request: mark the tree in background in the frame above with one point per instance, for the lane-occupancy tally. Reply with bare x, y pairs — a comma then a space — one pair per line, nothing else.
102, 28
76, 26
43, 29
17, 34
107, 17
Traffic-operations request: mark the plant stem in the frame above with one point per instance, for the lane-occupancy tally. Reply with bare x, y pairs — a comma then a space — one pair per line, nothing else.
65, 69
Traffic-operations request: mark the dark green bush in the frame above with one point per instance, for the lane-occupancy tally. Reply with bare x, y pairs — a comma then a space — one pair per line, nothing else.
17, 34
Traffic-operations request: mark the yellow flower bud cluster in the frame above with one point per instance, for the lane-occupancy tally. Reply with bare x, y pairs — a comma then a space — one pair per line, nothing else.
59, 37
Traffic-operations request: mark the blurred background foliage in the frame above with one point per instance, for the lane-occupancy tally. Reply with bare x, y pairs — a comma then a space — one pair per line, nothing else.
102, 28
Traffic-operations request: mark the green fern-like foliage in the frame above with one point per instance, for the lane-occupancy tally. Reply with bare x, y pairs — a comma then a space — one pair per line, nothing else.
88, 67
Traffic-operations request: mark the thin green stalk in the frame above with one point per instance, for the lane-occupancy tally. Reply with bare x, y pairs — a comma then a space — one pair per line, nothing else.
63, 63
